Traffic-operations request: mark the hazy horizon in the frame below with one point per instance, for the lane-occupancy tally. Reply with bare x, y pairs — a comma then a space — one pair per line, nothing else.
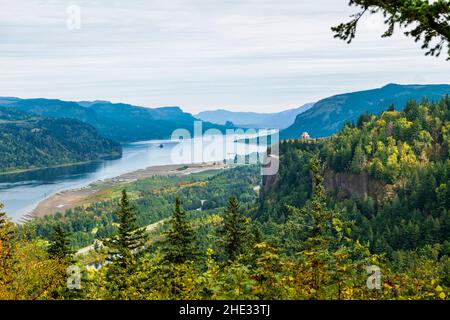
256, 56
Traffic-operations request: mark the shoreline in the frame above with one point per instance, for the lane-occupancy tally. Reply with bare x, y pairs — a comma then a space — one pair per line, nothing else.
63, 165
70, 199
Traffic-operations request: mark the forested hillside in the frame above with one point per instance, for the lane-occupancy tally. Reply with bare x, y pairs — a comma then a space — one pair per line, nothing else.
407, 154
153, 200
29, 142
300, 239
117, 121
329, 115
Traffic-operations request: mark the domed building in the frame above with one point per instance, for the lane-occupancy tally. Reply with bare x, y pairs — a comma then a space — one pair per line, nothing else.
305, 136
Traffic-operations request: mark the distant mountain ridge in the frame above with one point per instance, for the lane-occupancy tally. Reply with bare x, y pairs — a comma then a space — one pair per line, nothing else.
118, 121
29, 141
330, 114
90, 103
278, 120
126, 123
7, 100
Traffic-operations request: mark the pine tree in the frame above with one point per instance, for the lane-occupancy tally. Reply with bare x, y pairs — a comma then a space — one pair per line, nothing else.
130, 237
322, 255
333, 257
321, 216
122, 250
180, 237
59, 247
235, 231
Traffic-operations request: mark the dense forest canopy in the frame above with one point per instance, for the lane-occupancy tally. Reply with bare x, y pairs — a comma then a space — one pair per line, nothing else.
406, 152
28, 142
153, 199
215, 238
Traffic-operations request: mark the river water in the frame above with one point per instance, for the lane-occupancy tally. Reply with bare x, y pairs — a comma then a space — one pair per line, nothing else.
21, 193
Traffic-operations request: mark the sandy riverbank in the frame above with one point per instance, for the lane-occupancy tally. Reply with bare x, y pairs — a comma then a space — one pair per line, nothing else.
70, 199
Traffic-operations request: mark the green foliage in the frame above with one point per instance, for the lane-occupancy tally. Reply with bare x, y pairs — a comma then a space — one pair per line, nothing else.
30, 142
59, 245
234, 232
328, 263
6, 246
406, 155
394, 144
6, 227
180, 237
153, 200
130, 237
118, 121
122, 250
309, 241
26, 271
426, 21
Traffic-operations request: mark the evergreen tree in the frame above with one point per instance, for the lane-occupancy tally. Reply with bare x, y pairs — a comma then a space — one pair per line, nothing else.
326, 251
59, 250
59, 247
122, 250
129, 238
235, 232
321, 216
180, 237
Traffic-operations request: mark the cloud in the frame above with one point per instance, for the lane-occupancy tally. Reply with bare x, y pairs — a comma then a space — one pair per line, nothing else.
259, 55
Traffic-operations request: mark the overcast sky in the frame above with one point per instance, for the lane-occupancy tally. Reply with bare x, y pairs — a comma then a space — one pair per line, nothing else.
255, 55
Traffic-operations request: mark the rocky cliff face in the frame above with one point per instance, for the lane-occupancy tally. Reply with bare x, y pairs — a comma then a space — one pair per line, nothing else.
349, 185
268, 179
268, 184
344, 185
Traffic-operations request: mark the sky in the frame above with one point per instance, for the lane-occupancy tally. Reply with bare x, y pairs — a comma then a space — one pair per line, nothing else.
241, 55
